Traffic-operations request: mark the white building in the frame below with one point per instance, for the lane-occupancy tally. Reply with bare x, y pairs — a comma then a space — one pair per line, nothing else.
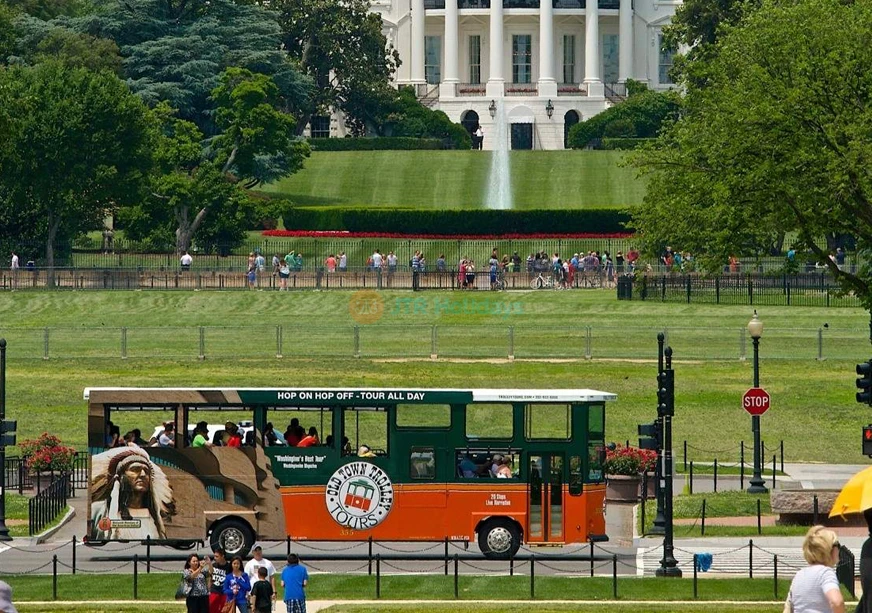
552, 63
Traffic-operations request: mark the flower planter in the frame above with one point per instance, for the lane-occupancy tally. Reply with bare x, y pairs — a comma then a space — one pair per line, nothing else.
651, 482
623, 488
42, 480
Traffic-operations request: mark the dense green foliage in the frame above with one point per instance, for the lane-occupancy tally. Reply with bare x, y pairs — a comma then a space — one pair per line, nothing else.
413, 221
641, 115
408, 117
624, 144
774, 141
376, 143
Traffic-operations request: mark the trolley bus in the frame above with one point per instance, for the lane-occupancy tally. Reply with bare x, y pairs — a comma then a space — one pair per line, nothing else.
500, 466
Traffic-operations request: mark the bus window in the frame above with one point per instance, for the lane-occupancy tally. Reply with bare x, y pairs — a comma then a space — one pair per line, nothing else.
291, 427
548, 421
423, 416
221, 428
485, 421
422, 463
596, 455
367, 427
575, 475
596, 422
141, 428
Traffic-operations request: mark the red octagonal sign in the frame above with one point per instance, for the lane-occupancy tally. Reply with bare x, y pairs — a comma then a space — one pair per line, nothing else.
756, 401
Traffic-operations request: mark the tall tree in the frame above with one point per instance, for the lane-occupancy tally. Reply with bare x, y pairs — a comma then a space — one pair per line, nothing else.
76, 146
778, 140
339, 44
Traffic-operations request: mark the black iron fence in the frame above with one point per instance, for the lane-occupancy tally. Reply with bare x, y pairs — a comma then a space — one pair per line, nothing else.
43, 508
19, 478
803, 289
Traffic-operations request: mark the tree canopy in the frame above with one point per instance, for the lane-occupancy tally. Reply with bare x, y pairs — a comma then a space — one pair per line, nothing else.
778, 140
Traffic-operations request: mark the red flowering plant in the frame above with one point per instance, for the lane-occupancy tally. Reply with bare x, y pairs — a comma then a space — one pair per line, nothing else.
629, 461
47, 453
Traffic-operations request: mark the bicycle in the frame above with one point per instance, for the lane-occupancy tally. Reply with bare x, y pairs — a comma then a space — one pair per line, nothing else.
541, 282
500, 284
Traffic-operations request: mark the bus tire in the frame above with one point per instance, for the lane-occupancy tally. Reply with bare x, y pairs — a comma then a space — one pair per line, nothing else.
233, 536
499, 538
183, 545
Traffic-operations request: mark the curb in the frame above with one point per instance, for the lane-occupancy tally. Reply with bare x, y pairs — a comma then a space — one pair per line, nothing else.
42, 537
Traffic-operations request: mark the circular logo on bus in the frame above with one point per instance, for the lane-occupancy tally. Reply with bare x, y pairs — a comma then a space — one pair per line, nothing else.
366, 306
359, 495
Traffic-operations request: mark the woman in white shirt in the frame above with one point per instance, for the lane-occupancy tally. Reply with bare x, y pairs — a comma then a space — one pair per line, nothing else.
815, 589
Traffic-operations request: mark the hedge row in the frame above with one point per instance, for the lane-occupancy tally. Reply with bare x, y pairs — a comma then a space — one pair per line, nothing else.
379, 143
624, 143
454, 222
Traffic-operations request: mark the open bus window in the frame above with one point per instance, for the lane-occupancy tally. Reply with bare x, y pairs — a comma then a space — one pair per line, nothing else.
422, 463
220, 428
548, 421
485, 421
140, 427
486, 464
423, 416
575, 476
301, 428
369, 428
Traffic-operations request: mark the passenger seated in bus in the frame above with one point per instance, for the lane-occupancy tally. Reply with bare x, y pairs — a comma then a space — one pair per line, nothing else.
218, 438
235, 439
292, 434
346, 446
328, 442
495, 465
505, 469
467, 468
270, 437
201, 434
311, 440
365, 452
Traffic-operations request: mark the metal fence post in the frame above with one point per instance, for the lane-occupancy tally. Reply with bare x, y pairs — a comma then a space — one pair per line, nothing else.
775, 574
715, 476
690, 478
588, 343
369, 555
695, 566
456, 586
378, 575
202, 343
615, 576
751, 557
742, 465
148, 555
74, 554
820, 339
702, 520
446, 556
279, 341
54, 577
592, 545
136, 576
511, 342
759, 519
45, 343
532, 576
123, 343
356, 332
434, 343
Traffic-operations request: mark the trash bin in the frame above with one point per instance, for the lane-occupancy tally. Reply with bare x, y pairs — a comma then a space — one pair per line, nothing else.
625, 287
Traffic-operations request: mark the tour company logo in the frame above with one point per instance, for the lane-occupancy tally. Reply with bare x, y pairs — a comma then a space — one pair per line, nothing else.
359, 495
366, 306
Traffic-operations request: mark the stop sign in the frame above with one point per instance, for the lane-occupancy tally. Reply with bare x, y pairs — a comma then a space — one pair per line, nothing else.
756, 401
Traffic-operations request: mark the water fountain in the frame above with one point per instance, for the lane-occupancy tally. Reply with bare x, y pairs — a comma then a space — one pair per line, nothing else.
499, 185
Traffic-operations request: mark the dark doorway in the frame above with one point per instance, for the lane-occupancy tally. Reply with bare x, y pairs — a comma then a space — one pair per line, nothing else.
469, 120
522, 136
570, 119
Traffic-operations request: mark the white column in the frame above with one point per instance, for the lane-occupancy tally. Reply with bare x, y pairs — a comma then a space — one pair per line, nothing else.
547, 83
450, 76
417, 41
625, 41
592, 78
496, 80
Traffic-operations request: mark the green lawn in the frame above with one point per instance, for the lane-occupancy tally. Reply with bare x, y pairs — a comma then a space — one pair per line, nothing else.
411, 587
808, 396
457, 180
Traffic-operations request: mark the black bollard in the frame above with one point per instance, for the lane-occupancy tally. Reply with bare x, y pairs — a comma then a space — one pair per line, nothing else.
695, 593
54, 577
74, 554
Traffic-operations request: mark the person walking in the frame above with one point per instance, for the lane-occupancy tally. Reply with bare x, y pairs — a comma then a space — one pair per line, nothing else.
220, 570
257, 562
262, 593
197, 577
815, 588
237, 586
295, 578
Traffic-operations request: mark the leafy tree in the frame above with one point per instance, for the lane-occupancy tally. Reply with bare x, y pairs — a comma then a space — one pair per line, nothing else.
641, 115
39, 41
49, 9
7, 32
778, 140
339, 44
76, 146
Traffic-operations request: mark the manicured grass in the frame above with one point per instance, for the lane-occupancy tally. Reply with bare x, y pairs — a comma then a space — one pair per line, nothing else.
85, 340
552, 608
16, 511
414, 587
457, 180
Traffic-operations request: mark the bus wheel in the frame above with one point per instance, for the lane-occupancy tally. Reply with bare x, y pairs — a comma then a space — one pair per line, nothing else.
233, 536
499, 539
183, 545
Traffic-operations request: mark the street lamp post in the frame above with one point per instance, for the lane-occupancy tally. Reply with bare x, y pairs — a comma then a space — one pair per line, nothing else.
756, 485
4, 531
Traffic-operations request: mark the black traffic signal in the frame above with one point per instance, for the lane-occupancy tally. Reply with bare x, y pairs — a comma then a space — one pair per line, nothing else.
867, 440
7, 432
666, 393
864, 382
649, 435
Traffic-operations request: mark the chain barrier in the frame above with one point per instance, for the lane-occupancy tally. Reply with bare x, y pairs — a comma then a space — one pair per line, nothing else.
713, 452
27, 572
37, 551
395, 550
440, 566
307, 545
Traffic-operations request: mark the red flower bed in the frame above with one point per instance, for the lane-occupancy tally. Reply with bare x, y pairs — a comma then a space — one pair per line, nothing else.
516, 235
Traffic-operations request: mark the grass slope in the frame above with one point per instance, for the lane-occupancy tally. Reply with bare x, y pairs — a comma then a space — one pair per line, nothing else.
458, 179
813, 404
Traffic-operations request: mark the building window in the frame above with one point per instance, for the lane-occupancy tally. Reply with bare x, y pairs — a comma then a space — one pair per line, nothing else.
475, 59
319, 126
568, 58
610, 58
522, 58
665, 62
433, 59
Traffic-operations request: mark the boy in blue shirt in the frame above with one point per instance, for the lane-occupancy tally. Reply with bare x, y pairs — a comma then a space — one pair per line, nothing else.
295, 578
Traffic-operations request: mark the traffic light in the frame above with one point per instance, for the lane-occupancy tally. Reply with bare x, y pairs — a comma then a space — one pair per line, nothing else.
7, 432
649, 435
666, 393
864, 382
867, 440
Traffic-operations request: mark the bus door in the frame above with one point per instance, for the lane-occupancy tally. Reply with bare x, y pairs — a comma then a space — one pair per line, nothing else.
545, 515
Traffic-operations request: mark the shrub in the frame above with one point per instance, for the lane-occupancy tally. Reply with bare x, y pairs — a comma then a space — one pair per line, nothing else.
624, 143
620, 128
378, 143
646, 111
629, 461
47, 453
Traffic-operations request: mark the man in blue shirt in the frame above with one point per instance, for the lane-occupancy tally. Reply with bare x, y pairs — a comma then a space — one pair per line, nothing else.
295, 578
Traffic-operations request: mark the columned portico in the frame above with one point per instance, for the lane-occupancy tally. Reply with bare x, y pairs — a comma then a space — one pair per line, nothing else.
417, 50
625, 41
592, 78
547, 83
451, 74
495, 84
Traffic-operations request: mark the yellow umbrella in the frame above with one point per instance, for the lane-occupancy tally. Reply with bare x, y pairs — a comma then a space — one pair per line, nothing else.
856, 496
